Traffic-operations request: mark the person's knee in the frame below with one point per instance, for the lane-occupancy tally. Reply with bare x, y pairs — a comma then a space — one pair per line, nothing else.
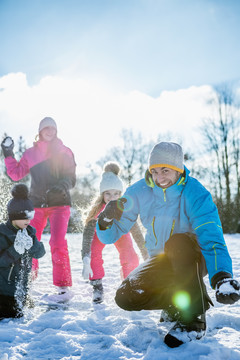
122, 299
60, 256
127, 298
183, 246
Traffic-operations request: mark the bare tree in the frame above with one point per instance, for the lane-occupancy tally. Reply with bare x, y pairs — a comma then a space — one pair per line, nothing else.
5, 196
221, 134
132, 156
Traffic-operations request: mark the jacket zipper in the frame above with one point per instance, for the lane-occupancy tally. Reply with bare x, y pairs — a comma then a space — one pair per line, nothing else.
172, 228
164, 195
215, 256
10, 273
153, 229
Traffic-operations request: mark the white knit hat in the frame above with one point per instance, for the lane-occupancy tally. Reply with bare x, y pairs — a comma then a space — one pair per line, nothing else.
110, 179
166, 154
47, 121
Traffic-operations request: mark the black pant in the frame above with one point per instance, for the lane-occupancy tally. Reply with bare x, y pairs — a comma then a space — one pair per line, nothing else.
156, 283
9, 307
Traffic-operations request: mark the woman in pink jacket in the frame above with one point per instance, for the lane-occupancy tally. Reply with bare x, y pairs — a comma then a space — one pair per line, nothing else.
111, 187
52, 169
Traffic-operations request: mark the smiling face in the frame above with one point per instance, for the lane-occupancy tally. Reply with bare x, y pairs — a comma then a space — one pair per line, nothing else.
21, 224
111, 195
48, 133
164, 177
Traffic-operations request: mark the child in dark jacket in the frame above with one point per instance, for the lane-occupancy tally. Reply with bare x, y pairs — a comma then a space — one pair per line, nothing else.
18, 246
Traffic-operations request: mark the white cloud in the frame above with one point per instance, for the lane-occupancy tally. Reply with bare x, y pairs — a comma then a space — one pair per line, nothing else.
90, 114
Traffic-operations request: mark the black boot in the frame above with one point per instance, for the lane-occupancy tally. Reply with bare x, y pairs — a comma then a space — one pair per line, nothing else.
183, 332
97, 291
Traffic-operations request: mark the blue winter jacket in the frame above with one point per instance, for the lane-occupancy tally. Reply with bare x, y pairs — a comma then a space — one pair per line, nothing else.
186, 206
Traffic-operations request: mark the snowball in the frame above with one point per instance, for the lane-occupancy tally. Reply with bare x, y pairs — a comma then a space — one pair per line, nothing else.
8, 142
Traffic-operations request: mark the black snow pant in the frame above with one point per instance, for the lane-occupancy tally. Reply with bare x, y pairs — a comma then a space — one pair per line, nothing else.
9, 307
162, 279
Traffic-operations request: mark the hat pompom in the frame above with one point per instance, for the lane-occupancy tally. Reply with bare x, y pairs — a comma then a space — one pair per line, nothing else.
110, 179
20, 207
112, 167
20, 191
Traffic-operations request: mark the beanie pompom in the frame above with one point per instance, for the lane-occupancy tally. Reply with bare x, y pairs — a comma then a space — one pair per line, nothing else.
20, 191
110, 179
20, 207
112, 167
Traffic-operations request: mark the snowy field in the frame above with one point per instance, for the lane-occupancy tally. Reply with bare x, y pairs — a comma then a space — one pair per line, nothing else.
105, 332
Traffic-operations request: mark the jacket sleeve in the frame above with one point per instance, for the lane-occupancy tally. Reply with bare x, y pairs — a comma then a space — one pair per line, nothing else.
124, 225
139, 239
88, 233
17, 170
37, 250
205, 222
8, 255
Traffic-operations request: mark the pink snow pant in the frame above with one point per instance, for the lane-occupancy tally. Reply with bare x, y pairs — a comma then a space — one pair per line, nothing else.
58, 218
128, 257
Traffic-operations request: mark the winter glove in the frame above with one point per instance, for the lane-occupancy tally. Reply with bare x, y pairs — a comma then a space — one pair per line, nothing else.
113, 210
227, 291
87, 270
28, 241
56, 195
22, 241
60, 189
7, 146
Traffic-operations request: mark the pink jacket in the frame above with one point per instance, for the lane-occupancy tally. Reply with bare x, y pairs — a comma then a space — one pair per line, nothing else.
38, 162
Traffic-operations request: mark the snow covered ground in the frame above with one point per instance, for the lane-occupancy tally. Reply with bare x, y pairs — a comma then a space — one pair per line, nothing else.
105, 332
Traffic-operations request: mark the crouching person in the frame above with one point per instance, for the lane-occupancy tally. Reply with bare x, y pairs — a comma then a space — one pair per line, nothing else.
184, 239
18, 246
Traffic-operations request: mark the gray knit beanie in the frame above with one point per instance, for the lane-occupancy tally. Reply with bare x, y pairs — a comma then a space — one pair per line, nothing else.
110, 179
166, 154
47, 121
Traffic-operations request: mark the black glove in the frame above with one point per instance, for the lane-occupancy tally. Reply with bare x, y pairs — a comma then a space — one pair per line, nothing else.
56, 195
60, 189
227, 291
7, 146
113, 210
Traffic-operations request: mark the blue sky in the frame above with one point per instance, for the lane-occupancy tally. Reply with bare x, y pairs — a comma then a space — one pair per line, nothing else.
148, 45
98, 66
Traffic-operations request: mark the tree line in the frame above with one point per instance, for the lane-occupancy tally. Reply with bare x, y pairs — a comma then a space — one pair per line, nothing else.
219, 171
